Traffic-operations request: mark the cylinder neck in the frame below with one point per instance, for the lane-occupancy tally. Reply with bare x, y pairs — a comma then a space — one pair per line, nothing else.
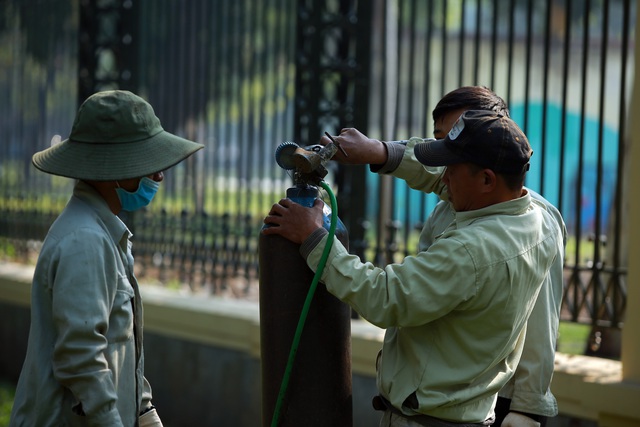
304, 195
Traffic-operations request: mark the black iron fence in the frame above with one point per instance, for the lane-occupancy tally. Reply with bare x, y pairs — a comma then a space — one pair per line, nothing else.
565, 69
243, 76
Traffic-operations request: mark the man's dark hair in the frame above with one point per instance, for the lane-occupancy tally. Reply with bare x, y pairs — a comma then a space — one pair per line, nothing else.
512, 181
470, 98
477, 98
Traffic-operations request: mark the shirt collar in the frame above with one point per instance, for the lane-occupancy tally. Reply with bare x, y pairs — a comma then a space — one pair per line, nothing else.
510, 207
116, 228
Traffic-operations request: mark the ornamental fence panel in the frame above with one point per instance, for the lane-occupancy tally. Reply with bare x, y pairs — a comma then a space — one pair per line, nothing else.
228, 74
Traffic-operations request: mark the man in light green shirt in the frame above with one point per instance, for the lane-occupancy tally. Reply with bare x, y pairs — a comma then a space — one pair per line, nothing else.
456, 313
526, 400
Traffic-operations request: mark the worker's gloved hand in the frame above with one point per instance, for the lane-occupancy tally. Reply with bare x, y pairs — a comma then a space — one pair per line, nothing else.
514, 419
150, 419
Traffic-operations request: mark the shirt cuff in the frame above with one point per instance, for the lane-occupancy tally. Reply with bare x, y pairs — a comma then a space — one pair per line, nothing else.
312, 241
534, 417
107, 418
395, 151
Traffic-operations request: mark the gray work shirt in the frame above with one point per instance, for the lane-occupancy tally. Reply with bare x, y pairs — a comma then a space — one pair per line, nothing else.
84, 364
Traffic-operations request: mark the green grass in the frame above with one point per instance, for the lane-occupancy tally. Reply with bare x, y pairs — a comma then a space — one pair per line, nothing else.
7, 393
573, 338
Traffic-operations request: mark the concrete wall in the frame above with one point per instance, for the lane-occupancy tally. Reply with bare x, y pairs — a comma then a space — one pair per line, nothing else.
202, 355
203, 362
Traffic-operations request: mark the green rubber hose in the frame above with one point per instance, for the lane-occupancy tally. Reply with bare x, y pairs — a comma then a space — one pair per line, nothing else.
307, 304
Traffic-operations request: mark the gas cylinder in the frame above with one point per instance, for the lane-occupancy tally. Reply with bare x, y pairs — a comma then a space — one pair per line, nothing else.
319, 388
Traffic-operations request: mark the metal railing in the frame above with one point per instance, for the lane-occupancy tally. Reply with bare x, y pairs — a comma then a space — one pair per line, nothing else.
565, 70
227, 74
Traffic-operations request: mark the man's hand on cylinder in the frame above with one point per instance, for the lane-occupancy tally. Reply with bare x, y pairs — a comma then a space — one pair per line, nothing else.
294, 221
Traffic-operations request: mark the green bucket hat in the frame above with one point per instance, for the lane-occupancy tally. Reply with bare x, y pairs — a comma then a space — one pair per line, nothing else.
115, 136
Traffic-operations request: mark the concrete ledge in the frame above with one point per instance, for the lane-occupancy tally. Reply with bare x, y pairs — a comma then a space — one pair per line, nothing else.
586, 387
229, 323
235, 324
592, 388
15, 283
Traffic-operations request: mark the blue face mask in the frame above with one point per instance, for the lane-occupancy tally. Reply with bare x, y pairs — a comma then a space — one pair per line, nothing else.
132, 201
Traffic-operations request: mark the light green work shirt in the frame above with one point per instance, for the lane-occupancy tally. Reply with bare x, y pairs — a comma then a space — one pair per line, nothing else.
529, 388
84, 362
455, 314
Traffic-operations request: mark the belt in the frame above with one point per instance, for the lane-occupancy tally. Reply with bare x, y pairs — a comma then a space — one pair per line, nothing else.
379, 403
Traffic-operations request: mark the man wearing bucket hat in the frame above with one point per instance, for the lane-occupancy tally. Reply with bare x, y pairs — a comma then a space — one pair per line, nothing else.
84, 364
455, 314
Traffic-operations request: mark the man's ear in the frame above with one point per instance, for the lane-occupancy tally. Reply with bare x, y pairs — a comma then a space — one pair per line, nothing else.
490, 180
